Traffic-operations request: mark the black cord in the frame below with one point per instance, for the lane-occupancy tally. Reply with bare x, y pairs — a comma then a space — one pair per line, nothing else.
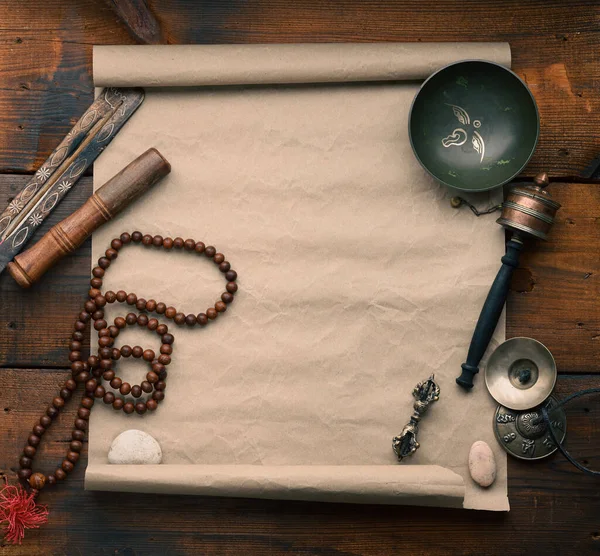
555, 438
456, 202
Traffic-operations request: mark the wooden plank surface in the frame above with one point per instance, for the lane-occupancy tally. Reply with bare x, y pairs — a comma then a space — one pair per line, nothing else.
554, 508
45, 56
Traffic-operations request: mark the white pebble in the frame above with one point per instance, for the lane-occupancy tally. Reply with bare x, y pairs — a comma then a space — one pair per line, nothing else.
134, 446
482, 464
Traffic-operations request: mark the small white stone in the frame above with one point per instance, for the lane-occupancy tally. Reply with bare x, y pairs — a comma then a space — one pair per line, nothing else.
482, 464
134, 446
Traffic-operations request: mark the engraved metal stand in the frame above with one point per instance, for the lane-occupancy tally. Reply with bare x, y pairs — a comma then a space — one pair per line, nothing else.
425, 393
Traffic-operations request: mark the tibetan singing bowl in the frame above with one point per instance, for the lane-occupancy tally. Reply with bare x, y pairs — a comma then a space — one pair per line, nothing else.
474, 125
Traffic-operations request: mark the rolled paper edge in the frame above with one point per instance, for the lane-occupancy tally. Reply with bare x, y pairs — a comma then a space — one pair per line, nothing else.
261, 64
421, 485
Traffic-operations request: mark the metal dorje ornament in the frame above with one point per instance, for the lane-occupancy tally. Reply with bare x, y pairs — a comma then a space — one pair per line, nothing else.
425, 393
527, 212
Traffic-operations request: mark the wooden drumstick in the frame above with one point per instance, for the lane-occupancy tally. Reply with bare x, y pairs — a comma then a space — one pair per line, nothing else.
63, 238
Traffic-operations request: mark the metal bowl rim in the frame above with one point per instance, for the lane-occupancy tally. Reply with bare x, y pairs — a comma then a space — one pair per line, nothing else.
537, 131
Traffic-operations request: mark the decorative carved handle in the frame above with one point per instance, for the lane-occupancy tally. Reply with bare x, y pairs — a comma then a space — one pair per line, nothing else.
490, 313
116, 194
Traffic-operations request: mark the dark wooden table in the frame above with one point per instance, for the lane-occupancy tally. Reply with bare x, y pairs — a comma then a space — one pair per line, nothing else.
45, 84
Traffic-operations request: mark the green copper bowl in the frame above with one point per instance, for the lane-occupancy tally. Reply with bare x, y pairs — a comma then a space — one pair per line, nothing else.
474, 125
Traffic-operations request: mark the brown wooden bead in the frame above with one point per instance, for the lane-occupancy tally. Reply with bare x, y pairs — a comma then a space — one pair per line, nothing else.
178, 242
120, 322
34, 440
170, 312
100, 324
199, 247
140, 304
166, 348
128, 408
45, 421
147, 240
38, 430
224, 267
77, 367
51, 479
83, 413
97, 373
104, 262
162, 329
148, 355
151, 405
87, 402
160, 308
227, 297
164, 359
137, 351
37, 481
103, 333
29, 451
96, 283
116, 244
146, 387
231, 275
131, 318
90, 385
160, 385
126, 350
67, 466
93, 292
77, 335
116, 383
121, 296
189, 244
158, 367
98, 272
131, 299
167, 338
24, 474
75, 356
80, 326
220, 306
93, 362
140, 408
81, 377
105, 341
152, 324
65, 394
179, 318
136, 391
108, 398
73, 457
152, 377
136, 237
100, 301
77, 434
90, 306
163, 374
97, 315
71, 384
190, 320
143, 319
75, 345
52, 412
167, 243
110, 296
115, 354
60, 475
157, 241
113, 331
25, 462
218, 258
125, 388
151, 305
211, 313
210, 251
81, 424
158, 395
202, 319
108, 375
118, 404
84, 317
105, 354
58, 402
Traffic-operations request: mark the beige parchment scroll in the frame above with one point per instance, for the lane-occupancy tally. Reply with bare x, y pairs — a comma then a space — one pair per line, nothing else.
357, 279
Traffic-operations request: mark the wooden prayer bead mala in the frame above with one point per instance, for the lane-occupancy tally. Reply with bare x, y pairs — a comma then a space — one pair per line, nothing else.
101, 367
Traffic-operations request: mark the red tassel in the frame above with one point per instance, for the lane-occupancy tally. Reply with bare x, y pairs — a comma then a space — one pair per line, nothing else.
19, 511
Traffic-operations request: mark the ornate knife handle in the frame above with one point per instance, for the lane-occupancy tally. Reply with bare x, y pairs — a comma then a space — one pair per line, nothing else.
490, 313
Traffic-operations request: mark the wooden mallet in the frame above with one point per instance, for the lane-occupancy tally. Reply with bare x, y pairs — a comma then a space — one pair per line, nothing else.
63, 238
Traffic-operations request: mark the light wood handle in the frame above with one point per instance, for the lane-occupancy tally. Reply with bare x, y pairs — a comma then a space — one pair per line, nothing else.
63, 238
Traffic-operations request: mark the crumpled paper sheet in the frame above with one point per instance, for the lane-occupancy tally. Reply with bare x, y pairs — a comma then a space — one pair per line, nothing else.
356, 277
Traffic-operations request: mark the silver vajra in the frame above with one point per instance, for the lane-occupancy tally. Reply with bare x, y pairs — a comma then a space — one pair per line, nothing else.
425, 393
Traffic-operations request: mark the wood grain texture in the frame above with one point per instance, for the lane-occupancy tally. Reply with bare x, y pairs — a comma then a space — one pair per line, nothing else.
45, 56
554, 508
